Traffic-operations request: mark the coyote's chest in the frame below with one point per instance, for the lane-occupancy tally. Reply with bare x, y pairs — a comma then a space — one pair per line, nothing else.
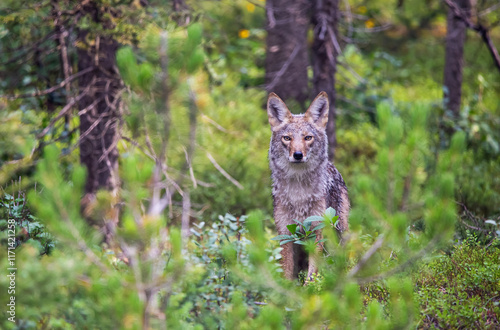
299, 200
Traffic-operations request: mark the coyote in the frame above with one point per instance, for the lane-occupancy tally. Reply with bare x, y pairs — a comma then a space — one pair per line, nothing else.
305, 183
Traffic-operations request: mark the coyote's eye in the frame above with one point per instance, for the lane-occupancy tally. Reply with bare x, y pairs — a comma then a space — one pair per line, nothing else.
308, 138
287, 138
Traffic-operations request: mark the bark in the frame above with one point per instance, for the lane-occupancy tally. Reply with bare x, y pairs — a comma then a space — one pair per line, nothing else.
61, 34
324, 60
286, 47
454, 57
483, 31
99, 107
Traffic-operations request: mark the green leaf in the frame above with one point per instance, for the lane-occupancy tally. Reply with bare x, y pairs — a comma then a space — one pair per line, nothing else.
292, 228
313, 218
286, 241
335, 218
300, 242
330, 213
318, 227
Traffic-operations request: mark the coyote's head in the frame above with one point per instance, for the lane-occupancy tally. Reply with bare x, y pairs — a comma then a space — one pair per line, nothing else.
298, 139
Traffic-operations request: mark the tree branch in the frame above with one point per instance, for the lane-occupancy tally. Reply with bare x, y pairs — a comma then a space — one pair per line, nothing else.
374, 248
283, 68
61, 113
479, 28
62, 84
224, 173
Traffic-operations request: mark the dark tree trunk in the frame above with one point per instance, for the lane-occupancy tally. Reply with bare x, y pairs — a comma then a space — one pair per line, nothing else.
99, 107
287, 56
454, 57
324, 60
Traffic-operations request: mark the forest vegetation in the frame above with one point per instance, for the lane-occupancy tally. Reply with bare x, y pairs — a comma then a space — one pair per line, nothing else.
135, 190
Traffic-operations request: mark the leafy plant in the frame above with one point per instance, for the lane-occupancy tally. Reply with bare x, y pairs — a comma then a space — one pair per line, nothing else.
28, 229
303, 232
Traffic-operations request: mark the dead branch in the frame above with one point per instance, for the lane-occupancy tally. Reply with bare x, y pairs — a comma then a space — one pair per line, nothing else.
479, 28
224, 173
270, 16
136, 144
187, 167
61, 113
402, 266
166, 91
62, 84
283, 68
213, 122
488, 10
374, 248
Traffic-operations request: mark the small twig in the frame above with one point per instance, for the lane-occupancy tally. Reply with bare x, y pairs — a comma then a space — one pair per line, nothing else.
356, 75
224, 173
488, 10
335, 43
270, 15
61, 113
399, 268
186, 210
166, 90
378, 243
62, 84
136, 144
189, 152
283, 68
348, 14
213, 122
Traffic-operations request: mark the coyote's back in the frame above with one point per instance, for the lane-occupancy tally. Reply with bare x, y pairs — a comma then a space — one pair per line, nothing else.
305, 183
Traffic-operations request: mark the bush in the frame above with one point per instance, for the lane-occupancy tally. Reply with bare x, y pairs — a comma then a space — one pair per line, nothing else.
460, 291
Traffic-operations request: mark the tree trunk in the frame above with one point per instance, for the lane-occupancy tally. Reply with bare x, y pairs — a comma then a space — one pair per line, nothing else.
324, 59
454, 57
99, 107
287, 57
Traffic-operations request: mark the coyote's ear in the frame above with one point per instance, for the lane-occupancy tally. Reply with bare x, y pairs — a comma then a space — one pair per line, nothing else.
318, 110
277, 111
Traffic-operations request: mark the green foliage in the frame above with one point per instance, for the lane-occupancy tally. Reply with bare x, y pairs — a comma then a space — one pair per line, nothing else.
304, 232
228, 267
17, 221
460, 290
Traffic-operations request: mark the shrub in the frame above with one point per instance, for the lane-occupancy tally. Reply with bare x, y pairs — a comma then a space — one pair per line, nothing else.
460, 291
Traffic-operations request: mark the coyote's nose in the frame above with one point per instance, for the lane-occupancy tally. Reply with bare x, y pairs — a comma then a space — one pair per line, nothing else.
298, 155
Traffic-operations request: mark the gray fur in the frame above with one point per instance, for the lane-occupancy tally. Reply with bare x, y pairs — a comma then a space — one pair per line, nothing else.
302, 189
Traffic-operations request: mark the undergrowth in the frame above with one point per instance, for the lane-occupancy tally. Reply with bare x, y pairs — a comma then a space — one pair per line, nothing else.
461, 290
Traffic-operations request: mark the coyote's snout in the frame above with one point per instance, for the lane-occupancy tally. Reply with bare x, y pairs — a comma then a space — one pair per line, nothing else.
305, 183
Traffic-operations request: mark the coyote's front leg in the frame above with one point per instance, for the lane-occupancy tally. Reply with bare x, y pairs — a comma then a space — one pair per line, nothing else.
287, 262
313, 256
